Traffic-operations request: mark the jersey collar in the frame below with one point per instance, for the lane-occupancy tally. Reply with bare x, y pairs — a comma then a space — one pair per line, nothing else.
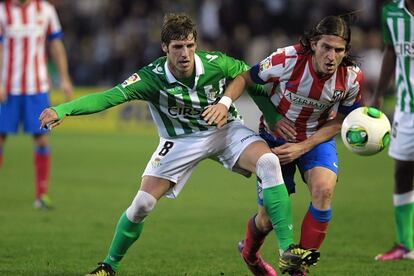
199, 67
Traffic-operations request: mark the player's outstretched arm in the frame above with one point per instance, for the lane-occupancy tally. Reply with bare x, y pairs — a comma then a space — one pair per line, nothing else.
88, 104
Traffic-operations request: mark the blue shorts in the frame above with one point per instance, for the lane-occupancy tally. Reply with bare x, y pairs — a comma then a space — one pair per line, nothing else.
23, 109
323, 155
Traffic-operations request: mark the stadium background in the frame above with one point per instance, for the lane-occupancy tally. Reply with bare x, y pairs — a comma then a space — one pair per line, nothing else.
97, 159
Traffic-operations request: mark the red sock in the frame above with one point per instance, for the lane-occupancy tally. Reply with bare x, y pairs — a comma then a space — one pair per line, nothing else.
41, 164
313, 232
252, 241
1, 157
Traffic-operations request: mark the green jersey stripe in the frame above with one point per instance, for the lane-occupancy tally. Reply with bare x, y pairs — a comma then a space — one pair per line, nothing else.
160, 118
173, 103
186, 96
408, 62
398, 29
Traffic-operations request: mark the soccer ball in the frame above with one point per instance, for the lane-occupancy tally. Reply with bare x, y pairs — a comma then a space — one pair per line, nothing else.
366, 131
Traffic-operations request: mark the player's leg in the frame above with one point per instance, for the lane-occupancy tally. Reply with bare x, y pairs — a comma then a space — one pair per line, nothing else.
32, 107
131, 222
41, 162
319, 169
402, 150
258, 157
257, 229
403, 200
321, 182
259, 225
10, 117
166, 173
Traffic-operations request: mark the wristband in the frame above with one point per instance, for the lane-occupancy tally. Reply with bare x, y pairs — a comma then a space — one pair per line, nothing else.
226, 101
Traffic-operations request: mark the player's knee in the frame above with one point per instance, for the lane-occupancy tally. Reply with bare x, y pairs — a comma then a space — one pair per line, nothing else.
141, 206
322, 193
268, 170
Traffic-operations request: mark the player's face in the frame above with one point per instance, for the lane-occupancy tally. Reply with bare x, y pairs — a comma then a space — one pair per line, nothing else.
180, 56
329, 52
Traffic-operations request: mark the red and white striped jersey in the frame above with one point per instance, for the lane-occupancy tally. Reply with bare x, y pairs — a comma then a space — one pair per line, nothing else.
23, 33
300, 95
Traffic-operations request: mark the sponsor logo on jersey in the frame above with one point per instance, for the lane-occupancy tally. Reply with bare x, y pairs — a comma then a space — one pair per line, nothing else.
305, 102
176, 111
395, 14
211, 57
23, 30
404, 49
158, 70
156, 162
265, 64
211, 93
132, 79
175, 90
338, 95
248, 137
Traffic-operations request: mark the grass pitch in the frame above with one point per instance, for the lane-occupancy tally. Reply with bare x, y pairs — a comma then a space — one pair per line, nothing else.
95, 176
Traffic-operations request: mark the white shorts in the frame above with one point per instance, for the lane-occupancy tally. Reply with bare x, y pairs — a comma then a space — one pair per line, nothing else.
175, 158
402, 136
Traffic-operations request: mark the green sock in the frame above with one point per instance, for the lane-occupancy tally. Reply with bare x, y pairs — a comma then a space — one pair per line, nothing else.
404, 221
126, 233
277, 204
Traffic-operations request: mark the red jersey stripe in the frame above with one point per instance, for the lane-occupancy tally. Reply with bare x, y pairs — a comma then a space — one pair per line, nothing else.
294, 80
301, 123
8, 12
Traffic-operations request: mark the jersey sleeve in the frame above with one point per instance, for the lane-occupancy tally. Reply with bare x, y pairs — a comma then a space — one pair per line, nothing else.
92, 103
352, 97
386, 35
270, 69
262, 100
232, 67
140, 86
54, 28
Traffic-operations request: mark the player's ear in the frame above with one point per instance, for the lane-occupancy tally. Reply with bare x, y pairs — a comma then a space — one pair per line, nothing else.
313, 45
164, 47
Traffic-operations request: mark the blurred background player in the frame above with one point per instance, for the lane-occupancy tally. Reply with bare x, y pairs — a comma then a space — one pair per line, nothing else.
398, 35
177, 88
308, 82
25, 25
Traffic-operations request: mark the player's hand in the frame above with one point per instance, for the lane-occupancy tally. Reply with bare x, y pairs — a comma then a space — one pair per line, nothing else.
285, 128
49, 119
215, 114
66, 87
288, 152
3, 95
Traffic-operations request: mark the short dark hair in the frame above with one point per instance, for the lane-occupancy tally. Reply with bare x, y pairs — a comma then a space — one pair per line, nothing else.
177, 27
330, 25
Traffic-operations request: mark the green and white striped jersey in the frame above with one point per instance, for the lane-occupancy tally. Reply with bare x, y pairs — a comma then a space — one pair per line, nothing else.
176, 108
398, 29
